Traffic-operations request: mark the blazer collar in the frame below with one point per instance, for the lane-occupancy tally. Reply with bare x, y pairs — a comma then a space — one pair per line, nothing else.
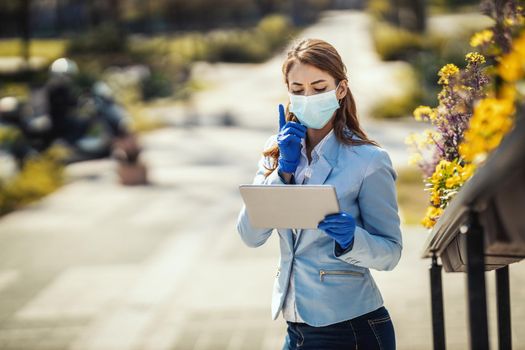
330, 150
329, 157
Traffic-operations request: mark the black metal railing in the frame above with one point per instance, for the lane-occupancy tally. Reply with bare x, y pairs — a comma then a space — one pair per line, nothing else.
482, 229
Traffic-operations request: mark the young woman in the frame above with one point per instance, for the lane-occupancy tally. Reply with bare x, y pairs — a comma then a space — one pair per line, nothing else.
323, 286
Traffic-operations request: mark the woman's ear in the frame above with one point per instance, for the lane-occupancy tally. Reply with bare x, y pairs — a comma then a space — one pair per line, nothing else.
342, 89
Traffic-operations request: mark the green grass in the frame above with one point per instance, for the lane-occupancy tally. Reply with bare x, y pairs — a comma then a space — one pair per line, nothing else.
47, 48
412, 199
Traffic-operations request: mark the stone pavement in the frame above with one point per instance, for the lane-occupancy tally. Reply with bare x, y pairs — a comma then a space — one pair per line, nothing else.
100, 266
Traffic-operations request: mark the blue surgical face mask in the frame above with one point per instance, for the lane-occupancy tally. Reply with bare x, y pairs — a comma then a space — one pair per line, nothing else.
314, 111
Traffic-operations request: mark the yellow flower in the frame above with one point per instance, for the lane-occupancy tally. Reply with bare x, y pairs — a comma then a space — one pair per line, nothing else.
475, 57
453, 181
412, 139
513, 21
435, 199
431, 216
422, 112
511, 67
508, 91
519, 45
426, 222
482, 37
491, 120
446, 72
420, 141
467, 171
430, 137
415, 158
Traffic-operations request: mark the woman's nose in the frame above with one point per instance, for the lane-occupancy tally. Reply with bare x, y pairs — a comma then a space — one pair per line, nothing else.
309, 93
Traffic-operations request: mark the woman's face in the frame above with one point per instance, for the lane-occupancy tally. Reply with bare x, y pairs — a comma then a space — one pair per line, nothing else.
305, 79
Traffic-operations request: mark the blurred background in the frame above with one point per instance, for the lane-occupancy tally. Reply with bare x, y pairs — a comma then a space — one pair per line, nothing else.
125, 129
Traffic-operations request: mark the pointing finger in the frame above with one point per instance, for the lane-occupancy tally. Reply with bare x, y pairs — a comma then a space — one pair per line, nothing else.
282, 118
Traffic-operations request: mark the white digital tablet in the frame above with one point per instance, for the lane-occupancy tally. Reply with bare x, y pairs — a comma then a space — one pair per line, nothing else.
288, 206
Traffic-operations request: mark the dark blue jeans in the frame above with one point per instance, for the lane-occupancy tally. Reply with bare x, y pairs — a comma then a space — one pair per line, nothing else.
370, 331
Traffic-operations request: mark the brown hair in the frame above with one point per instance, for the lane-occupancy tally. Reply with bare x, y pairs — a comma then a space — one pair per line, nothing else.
324, 56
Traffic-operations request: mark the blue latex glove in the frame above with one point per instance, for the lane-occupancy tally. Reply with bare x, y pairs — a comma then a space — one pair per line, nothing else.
340, 227
289, 142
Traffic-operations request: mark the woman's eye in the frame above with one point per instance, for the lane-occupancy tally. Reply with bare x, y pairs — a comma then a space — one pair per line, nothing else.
299, 92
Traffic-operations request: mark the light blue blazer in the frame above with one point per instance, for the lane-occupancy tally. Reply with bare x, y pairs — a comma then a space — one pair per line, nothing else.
332, 285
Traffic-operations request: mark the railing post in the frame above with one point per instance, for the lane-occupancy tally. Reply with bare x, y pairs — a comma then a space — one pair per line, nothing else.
503, 302
436, 293
477, 295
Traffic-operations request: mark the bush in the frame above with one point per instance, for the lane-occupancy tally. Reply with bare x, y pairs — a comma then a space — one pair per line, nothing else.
50, 49
39, 176
426, 53
379, 9
444, 6
233, 45
275, 30
12, 140
105, 38
401, 105
393, 43
237, 46
156, 85
190, 47
19, 90
257, 45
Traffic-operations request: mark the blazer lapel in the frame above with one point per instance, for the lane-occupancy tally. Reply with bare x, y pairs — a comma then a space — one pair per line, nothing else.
320, 171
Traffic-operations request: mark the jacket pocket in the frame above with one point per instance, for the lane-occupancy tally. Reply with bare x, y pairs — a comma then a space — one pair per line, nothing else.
335, 273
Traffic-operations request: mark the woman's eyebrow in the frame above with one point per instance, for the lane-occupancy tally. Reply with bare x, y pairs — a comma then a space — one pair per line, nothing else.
312, 83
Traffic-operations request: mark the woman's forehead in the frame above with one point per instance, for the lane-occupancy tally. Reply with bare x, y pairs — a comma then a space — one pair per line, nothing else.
307, 74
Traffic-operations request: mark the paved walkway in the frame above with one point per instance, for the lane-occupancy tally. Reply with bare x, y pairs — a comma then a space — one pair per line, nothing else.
101, 266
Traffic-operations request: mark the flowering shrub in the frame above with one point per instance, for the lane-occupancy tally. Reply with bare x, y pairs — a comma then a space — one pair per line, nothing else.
460, 89
39, 176
477, 107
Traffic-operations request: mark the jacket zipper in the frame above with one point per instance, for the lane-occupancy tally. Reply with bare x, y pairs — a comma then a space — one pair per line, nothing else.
322, 273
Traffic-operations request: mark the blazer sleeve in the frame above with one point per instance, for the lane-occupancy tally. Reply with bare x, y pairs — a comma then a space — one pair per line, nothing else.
251, 236
378, 243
